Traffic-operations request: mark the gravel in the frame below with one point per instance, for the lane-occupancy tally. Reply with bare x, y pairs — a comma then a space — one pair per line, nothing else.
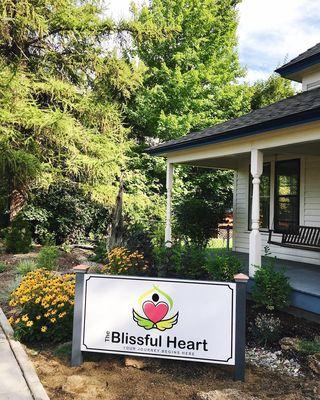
273, 361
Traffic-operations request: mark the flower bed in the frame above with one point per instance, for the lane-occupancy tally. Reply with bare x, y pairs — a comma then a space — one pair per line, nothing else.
43, 306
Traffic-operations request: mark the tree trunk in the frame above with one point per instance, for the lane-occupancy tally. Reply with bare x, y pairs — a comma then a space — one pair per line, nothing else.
116, 235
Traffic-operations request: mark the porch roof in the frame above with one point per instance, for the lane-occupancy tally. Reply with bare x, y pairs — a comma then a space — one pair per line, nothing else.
299, 109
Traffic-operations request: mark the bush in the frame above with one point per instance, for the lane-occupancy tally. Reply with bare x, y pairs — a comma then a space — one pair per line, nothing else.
222, 267
181, 261
197, 220
271, 289
44, 307
100, 252
309, 346
120, 261
26, 266
266, 329
137, 238
18, 236
3, 267
48, 258
64, 212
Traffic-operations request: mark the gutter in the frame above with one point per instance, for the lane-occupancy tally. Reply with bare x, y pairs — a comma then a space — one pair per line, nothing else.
285, 122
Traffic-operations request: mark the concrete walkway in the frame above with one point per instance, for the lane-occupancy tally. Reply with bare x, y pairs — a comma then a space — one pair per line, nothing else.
12, 383
18, 377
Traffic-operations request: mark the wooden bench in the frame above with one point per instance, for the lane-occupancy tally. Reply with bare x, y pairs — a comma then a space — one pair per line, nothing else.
306, 238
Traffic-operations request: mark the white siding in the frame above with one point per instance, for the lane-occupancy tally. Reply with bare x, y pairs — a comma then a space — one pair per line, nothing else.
309, 215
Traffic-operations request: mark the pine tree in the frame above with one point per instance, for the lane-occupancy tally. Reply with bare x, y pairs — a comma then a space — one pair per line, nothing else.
59, 89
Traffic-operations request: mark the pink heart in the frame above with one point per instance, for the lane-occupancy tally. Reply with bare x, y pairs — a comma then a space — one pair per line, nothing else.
155, 312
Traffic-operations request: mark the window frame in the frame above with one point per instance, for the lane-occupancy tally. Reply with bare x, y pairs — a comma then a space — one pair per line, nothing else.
276, 195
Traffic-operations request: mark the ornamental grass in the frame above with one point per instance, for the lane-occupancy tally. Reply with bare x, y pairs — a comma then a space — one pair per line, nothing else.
43, 304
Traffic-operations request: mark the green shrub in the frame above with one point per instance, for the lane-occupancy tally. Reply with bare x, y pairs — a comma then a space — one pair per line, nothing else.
271, 289
181, 261
43, 305
63, 351
64, 212
48, 258
137, 238
100, 252
222, 267
18, 236
3, 267
197, 220
26, 266
266, 329
309, 346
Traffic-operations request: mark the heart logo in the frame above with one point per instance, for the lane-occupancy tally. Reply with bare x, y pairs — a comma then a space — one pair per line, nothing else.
155, 312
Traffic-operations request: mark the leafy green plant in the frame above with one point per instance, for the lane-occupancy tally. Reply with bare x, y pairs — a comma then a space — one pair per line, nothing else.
222, 267
18, 236
3, 267
197, 220
26, 266
266, 328
309, 346
63, 351
271, 289
64, 212
48, 257
138, 238
181, 261
100, 252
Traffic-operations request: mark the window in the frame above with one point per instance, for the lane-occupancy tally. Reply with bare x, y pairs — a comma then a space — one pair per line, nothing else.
286, 198
264, 197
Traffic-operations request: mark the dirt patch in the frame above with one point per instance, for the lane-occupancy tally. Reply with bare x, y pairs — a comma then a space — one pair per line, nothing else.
108, 378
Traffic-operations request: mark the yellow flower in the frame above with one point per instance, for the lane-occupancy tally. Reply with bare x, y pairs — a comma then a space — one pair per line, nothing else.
29, 323
38, 317
25, 318
61, 315
53, 320
17, 320
44, 329
11, 320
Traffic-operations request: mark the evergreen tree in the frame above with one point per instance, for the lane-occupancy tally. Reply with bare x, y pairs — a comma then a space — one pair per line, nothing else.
59, 89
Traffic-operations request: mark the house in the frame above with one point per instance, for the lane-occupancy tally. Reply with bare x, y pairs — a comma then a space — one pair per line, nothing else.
275, 155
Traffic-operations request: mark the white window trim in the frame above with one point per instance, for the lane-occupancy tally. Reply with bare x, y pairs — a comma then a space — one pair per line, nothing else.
272, 160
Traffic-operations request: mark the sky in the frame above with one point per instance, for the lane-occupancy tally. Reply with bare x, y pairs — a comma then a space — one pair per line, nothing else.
269, 33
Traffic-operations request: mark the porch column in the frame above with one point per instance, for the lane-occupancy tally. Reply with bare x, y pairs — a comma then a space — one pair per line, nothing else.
168, 235
255, 237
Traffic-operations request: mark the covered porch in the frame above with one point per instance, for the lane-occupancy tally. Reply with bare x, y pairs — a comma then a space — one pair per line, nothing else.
258, 210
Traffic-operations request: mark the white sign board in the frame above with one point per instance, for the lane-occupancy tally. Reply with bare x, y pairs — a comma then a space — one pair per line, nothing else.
169, 318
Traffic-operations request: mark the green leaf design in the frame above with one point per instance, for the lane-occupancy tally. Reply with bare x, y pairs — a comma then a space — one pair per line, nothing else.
144, 322
167, 323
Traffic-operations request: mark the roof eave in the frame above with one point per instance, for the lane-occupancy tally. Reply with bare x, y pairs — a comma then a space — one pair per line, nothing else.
285, 122
293, 71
